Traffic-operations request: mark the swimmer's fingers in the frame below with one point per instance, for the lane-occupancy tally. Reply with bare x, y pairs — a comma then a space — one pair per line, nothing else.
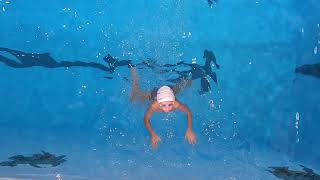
194, 141
191, 141
191, 137
155, 141
187, 138
155, 145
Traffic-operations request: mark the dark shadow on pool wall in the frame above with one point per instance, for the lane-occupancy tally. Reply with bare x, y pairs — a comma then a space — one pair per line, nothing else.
44, 158
44, 60
196, 71
309, 69
211, 2
27, 60
286, 174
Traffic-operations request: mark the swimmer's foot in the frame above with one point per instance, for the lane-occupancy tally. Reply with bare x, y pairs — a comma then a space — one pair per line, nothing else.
135, 86
134, 74
187, 82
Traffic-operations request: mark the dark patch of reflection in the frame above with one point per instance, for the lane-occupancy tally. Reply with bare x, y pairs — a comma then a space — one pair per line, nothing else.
309, 69
211, 2
196, 71
287, 174
35, 160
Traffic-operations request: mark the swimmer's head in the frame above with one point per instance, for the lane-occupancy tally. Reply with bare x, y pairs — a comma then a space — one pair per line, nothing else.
165, 93
165, 98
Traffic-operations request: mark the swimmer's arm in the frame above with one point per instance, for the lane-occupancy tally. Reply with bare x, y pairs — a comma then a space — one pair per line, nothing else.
146, 119
185, 109
190, 136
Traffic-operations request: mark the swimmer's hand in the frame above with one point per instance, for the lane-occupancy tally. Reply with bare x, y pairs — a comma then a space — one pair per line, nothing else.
191, 137
155, 140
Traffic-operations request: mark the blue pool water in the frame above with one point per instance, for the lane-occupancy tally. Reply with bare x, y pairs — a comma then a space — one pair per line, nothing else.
259, 114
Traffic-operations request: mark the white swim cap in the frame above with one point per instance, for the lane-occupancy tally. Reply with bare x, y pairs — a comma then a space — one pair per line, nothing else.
165, 93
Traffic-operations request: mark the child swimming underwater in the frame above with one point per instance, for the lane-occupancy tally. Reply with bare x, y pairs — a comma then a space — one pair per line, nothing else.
163, 100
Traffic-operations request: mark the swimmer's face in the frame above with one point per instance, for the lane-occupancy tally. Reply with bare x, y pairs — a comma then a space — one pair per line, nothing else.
166, 106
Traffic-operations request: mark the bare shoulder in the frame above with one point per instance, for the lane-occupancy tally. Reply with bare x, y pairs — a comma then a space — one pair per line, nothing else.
180, 105
177, 103
154, 106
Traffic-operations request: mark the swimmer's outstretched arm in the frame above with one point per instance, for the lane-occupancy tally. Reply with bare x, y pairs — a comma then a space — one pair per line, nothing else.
154, 137
190, 136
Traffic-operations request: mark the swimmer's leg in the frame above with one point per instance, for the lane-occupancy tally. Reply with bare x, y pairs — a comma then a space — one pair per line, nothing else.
137, 93
135, 85
184, 82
